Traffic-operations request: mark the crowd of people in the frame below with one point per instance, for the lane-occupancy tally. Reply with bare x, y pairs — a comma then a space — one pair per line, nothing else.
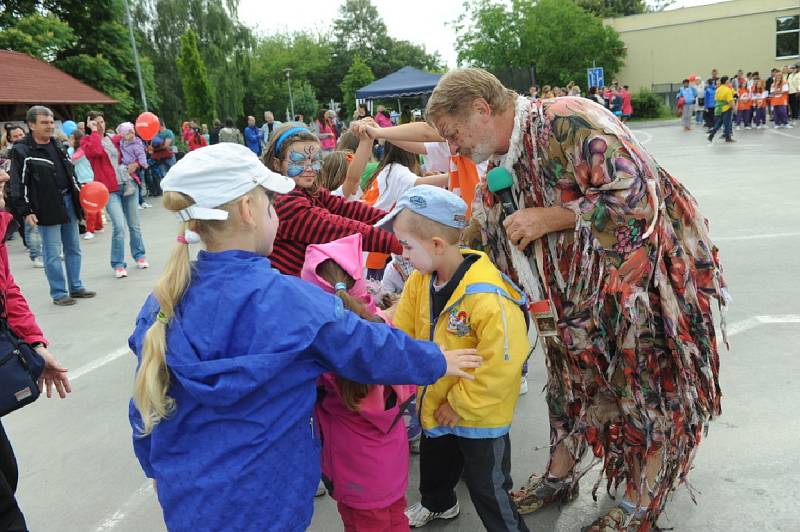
744, 99
403, 282
615, 97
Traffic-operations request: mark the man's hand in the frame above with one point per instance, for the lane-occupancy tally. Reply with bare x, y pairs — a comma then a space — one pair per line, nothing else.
527, 225
54, 374
32, 220
445, 415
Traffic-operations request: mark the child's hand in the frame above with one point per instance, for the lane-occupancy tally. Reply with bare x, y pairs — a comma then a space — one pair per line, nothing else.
459, 359
445, 415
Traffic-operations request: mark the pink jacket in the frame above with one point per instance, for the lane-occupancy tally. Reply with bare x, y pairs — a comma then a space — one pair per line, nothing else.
20, 318
364, 453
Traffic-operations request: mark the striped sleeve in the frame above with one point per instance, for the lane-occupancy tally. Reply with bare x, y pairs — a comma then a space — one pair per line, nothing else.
303, 221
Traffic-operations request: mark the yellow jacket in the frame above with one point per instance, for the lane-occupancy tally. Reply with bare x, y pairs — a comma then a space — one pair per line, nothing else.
483, 312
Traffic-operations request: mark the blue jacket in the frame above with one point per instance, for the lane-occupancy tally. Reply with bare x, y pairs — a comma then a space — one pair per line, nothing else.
689, 94
241, 451
710, 98
252, 138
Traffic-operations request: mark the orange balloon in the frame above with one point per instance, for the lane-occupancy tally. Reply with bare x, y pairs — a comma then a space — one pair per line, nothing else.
147, 125
94, 197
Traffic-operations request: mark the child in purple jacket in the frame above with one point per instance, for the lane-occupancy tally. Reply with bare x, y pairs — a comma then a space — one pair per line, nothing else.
132, 154
364, 444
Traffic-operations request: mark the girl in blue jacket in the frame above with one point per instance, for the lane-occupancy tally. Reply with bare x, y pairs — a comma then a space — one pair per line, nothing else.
229, 353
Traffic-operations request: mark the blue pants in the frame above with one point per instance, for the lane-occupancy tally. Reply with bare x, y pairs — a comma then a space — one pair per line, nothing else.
54, 238
725, 121
33, 240
122, 209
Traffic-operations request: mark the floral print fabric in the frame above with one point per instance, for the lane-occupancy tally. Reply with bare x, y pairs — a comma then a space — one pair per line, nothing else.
633, 373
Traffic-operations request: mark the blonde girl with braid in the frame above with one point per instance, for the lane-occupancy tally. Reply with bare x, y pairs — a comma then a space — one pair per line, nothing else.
230, 350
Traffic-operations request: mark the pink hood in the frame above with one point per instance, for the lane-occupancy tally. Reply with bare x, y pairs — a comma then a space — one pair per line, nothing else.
347, 253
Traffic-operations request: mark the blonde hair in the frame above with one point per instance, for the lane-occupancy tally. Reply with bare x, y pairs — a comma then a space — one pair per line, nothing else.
457, 89
152, 378
426, 228
334, 170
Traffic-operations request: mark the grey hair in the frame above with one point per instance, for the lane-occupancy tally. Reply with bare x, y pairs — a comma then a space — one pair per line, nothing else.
37, 111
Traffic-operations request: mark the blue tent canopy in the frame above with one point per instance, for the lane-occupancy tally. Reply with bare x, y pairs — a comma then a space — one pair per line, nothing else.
408, 81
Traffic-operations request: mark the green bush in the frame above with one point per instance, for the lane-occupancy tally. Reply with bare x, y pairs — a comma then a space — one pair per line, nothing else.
648, 105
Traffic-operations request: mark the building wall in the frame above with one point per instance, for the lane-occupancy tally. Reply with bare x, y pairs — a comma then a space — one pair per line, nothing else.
669, 46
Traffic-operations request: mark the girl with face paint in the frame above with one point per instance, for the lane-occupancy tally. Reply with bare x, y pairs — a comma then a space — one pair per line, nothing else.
310, 214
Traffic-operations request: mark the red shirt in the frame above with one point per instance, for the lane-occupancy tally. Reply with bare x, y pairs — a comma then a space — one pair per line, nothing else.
320, 218
98, 158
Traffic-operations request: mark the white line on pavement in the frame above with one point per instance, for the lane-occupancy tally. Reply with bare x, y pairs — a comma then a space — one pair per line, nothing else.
100, 362
138, 496
755, 321
754, 237
638, 133
795, 137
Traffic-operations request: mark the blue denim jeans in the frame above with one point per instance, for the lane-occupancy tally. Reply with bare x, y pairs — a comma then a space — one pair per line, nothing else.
724, 121
54, 238
33, 240
124, 209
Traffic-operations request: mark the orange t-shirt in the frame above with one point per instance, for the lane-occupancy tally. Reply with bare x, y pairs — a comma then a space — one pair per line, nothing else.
745, 99
782, 97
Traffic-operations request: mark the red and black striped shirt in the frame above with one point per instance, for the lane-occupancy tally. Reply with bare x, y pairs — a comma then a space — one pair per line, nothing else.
319, 218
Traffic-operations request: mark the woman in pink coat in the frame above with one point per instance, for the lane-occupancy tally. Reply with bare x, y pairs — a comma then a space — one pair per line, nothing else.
364, 443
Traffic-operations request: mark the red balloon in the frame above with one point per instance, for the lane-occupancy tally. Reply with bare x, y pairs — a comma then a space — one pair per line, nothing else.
94, 197
147, 125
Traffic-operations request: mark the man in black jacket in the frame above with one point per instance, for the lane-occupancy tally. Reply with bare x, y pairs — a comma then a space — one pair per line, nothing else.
44, 193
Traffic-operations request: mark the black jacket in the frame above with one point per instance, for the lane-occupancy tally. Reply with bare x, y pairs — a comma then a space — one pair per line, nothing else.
33, 183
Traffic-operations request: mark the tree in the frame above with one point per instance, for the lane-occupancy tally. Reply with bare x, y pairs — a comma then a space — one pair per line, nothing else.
359, 29
613, 8
305, 100
197, 93
357, 76
495, 37
226, 47
38, 35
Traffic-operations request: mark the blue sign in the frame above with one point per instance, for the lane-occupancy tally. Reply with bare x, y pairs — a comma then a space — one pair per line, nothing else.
595, 76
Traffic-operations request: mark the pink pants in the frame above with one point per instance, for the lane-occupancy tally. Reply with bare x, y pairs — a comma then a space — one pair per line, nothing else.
389, 519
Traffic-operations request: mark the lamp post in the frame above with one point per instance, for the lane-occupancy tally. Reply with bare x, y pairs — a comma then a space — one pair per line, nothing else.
135, 56
288, 72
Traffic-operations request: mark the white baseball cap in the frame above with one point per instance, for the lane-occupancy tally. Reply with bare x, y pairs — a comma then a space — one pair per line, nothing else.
214, 175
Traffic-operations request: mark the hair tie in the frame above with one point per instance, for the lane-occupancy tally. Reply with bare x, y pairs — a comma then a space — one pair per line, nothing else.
162, 318
340, 286
182, 240
188, 237
286, 134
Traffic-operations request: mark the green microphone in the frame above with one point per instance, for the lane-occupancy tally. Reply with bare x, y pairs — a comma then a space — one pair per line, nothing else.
500, 182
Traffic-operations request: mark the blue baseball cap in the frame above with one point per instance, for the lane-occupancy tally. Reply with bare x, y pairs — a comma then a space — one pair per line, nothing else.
432, 202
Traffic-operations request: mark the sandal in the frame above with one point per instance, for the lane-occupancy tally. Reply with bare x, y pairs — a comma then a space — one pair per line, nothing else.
618, 520
536, 494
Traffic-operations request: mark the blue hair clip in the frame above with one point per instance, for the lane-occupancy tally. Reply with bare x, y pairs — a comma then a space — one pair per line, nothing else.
340, 286
285, 135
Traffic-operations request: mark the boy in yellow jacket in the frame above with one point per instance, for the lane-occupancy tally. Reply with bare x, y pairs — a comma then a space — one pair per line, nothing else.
457, 298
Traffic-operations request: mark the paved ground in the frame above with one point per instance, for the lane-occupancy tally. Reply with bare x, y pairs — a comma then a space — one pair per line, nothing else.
79, 472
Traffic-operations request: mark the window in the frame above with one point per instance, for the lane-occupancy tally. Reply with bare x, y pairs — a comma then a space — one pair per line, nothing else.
787, 36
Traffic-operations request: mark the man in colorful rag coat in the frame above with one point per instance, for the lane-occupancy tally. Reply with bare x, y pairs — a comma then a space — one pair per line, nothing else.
625, 257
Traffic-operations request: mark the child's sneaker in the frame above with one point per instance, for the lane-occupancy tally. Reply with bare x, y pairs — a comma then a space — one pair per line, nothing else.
419, 516
142, 264
88, 236
119, 273
38, 262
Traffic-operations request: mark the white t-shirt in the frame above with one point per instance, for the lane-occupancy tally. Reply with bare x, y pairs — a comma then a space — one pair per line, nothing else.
340, 192
393, 181
437, 159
